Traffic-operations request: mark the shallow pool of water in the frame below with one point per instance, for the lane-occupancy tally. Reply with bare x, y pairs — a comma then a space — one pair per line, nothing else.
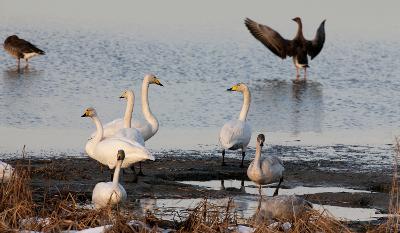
249, 188
245, 207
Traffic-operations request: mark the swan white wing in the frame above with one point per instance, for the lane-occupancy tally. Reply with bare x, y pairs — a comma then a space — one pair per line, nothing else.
272, 167
6, 171
105, 152
235, 134
130, 134
111, 128
144, 128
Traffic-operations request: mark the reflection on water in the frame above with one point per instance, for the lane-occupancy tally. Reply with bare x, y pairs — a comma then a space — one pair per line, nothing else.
250, 188
307, 106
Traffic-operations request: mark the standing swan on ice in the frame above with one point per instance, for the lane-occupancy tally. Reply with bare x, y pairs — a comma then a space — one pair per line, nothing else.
103, 149
236, 134
112, 193
265, 170
149, 128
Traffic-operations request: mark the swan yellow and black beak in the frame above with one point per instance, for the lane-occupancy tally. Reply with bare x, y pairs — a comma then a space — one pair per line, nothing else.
85, 114
158, 82
234, 88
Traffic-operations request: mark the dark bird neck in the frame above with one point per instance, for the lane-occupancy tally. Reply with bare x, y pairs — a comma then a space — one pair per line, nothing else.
299, 30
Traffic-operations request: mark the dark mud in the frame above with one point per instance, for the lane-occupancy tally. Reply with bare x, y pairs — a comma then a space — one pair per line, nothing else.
59, 176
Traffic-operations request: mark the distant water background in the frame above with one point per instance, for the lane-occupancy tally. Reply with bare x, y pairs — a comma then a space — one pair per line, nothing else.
198, 49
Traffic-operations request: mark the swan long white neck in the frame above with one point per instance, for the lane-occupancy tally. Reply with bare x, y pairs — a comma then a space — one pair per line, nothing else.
116, 173
246, 105
257, 158
148, 115
129, 111
99, 132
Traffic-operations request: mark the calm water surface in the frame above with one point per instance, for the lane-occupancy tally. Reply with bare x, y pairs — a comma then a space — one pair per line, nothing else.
351, 97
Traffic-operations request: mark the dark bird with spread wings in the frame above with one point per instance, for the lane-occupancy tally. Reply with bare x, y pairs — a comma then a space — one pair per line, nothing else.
298, 48
20, 48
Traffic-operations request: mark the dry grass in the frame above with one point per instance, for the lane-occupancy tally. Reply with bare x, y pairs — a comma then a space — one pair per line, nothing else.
18, 211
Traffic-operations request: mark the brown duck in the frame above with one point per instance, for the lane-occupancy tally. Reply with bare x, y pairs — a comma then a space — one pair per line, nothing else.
298, 48
21, 49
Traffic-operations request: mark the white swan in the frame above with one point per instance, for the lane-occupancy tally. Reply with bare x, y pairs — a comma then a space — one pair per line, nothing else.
127, 131
236, 134
112, 193
265, 170
103, 149
150, 127
6, 172
122, 127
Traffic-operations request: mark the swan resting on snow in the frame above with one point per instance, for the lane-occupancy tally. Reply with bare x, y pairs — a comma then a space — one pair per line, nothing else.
6, 172
103, 149
265, 170
236, 133
110, 193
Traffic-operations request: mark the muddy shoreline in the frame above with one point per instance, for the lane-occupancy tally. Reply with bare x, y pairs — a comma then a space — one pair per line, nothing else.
79, 175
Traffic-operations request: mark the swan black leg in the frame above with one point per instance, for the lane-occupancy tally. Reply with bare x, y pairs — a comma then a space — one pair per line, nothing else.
222, 184
277, 188
135, 178
18, 63
305, 73
140, 170
243, 154
223, 158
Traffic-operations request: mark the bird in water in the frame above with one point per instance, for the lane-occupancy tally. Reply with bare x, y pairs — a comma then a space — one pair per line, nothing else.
298, 47
21, 49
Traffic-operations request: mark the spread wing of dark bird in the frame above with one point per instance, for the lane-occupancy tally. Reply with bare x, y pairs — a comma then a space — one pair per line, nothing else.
315, 46
270, 38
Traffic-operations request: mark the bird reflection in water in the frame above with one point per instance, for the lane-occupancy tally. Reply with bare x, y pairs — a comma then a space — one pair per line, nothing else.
307, 107
233, 189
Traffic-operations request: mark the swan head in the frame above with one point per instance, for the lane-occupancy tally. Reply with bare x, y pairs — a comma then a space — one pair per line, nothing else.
261, 140
297, 20
89, 112
240, 87
127, 94
152, 79
121, 155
